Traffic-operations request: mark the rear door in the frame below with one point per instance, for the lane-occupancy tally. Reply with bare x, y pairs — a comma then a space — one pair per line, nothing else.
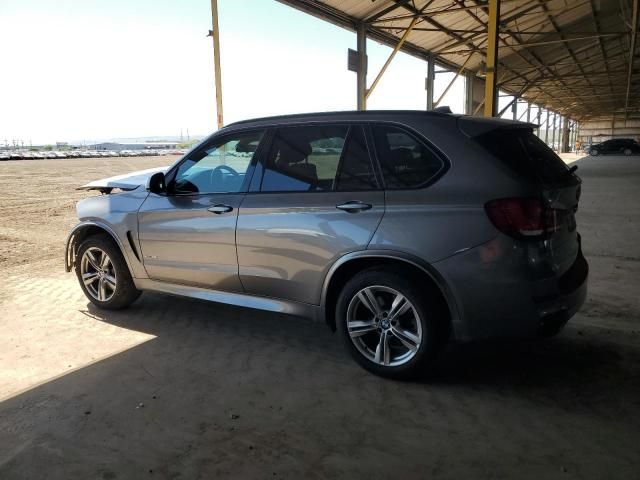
315, 198
187, 236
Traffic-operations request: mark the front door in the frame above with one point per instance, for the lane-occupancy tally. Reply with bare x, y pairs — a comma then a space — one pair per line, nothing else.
188, 235
315, 199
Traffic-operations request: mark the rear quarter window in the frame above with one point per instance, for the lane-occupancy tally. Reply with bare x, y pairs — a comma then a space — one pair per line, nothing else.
525, 154
406, 162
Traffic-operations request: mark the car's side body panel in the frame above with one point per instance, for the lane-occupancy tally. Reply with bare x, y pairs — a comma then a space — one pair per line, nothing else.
118, 216
183, 242
286, 242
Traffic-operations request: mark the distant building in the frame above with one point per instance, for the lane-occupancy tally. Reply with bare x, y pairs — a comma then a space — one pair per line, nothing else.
135, 146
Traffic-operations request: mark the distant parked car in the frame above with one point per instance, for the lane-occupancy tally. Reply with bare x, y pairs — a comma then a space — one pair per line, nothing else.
620, 146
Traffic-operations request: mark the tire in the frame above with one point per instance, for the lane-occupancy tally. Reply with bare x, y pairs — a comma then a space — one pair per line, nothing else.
108, 284
421, 324
594, 152
627, 151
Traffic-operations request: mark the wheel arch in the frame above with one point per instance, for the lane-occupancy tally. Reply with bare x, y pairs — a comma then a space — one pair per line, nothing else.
83, 231
350, 264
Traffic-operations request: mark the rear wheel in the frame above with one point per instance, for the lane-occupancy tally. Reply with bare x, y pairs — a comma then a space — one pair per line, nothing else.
103, 274
387, 324
594, 152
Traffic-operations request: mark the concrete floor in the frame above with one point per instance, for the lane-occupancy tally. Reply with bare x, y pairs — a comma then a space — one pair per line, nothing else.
175, 388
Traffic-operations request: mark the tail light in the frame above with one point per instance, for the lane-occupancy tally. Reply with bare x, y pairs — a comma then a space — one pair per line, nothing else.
522, 217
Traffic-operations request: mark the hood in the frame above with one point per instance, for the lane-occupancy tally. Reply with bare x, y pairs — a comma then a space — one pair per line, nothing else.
129, 181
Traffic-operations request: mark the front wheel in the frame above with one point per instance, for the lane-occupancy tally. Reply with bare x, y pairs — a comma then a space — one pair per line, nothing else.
594, 152
627, 151
103, 274
386, 323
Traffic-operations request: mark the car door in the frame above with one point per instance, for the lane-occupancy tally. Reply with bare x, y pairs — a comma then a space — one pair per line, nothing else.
188, 235
611, 146
314, 198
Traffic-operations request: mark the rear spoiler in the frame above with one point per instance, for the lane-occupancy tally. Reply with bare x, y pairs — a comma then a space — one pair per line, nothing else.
474, 126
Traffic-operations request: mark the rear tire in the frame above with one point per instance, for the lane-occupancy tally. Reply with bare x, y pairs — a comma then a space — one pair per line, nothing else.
398, 335
103, 274
594, 152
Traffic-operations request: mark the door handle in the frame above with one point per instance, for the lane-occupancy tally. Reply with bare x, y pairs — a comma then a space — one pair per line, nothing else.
354, 206
220, 208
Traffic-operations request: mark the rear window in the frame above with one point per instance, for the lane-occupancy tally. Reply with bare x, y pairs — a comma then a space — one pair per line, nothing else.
525, 154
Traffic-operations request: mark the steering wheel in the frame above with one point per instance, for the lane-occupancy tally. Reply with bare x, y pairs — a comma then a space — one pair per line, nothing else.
217, 174
218, 170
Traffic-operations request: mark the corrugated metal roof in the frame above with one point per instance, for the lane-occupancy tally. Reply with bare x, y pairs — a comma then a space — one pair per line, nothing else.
571, 56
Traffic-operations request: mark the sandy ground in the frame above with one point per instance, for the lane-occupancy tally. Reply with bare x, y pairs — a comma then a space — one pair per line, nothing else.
175, 388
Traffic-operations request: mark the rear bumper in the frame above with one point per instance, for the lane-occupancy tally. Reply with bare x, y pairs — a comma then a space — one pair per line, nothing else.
506, 298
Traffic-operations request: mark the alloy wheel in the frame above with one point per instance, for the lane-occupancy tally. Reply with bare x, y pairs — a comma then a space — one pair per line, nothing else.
384, 325
98, 274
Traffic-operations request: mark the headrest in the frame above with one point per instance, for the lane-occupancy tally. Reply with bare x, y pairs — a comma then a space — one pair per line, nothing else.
293, 151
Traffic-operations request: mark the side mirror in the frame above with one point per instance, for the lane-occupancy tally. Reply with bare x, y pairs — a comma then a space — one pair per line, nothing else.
156, 183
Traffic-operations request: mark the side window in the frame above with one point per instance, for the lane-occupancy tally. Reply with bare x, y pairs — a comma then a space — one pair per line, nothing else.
405, 161
319, 158
356, 171
220, 168
304, 159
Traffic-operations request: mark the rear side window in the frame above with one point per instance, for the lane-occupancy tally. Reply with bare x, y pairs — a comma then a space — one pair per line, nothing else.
525, 154
318, 158
405, 161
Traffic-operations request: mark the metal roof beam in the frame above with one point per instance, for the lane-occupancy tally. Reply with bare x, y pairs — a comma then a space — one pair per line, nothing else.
384, 11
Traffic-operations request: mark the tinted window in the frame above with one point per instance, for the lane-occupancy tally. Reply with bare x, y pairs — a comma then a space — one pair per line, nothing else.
318, 158
356, 172
524, 153
405, 161
219, 168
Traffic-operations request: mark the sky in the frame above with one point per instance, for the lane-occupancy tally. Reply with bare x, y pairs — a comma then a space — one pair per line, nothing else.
88, 70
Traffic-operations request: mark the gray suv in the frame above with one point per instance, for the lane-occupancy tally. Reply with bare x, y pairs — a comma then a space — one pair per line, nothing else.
401, 230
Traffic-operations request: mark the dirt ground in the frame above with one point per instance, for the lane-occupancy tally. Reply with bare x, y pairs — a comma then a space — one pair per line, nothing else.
181, 389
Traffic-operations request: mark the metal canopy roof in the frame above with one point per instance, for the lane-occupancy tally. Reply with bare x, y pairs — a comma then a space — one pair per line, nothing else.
571, 56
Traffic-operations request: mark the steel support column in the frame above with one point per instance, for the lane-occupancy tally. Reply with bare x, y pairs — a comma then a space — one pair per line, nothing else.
565, 136
491, 90
453, 80
546, 130
539, 118
528, 112
215, 34
431, 76
553, 132
514, 109
632, 53
361, 74
468, 90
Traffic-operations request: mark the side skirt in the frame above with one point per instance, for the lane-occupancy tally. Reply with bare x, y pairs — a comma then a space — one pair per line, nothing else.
238, 299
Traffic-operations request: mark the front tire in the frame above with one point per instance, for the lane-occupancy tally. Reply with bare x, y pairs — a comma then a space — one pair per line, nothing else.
103, 274
627, 152
388, 324
594, 152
